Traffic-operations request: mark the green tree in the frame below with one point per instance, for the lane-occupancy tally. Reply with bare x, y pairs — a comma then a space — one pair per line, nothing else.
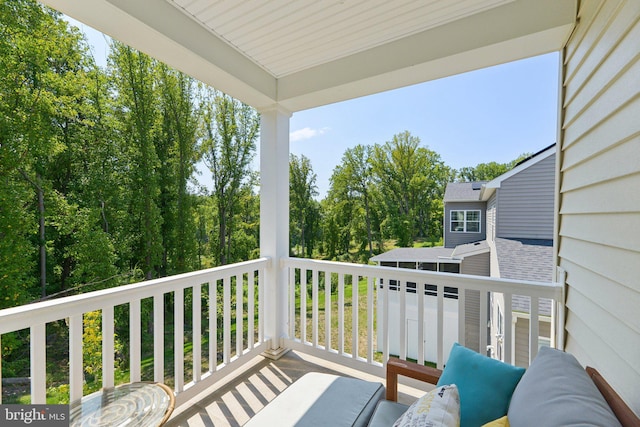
203, 214
488, 171
410, 179
482, 172
353, 180
227, 146
303, 211
45, 129
25, 103
82, 250
247, 219
133, 77
330, 227
177, 155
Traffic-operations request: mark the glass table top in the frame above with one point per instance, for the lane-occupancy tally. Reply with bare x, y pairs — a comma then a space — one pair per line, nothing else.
131, 405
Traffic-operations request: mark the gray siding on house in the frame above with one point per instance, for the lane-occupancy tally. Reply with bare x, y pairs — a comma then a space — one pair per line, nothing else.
472, 320
451, 240
525, 207
599, 235
491, 216
477, 265
522, 339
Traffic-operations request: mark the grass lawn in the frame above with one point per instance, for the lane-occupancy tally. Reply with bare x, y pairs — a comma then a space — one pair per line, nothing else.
363, 344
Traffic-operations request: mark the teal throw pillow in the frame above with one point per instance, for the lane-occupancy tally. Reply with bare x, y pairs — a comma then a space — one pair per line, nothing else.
485, 385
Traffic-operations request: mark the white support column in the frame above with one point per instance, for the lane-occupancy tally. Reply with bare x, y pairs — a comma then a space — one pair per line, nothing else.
274, 223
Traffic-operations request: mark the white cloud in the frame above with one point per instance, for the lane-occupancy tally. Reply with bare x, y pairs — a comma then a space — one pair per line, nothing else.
306, 133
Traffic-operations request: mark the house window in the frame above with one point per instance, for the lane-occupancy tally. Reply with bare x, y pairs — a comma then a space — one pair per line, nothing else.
465, 221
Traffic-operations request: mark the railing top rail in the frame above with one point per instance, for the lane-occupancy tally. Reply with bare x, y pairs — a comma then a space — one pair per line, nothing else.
551, 290
16, 318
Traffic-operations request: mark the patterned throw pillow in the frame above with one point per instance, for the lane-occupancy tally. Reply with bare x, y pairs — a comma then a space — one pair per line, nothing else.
500, 422
439, 407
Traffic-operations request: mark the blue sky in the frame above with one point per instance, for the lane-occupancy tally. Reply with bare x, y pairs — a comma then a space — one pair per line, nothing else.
492, 114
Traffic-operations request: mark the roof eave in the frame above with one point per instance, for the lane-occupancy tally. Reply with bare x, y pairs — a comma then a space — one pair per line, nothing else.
516, 30
360, 75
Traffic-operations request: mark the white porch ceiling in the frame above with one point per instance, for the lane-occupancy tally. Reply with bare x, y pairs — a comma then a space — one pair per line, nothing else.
300, 54
285, 37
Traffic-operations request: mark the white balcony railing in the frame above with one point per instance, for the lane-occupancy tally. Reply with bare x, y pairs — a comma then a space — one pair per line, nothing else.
391, 319
244, 279
356, 315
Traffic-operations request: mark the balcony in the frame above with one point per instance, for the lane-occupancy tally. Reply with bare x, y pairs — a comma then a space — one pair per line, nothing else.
219, 327
596, 205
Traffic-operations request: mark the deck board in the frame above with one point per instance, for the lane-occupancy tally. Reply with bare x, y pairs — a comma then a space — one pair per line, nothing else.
234, 403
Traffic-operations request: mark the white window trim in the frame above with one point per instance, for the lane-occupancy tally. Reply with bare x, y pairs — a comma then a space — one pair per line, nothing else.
451, 221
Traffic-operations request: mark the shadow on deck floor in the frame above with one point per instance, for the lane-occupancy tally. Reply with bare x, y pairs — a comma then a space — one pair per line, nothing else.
240, 399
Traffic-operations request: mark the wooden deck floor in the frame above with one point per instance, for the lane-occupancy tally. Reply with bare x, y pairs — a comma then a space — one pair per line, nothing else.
234, 403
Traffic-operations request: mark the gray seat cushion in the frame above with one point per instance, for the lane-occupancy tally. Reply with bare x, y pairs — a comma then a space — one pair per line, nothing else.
556, 391
322, 400
387, 413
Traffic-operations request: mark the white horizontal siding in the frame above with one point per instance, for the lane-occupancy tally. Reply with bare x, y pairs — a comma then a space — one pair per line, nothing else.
606, 65
614, 235
600, 290
599, 230
621, 126
583, 61
616, 65
614, 196
608, 327
617, 370
582, 39
625, 157
619, 265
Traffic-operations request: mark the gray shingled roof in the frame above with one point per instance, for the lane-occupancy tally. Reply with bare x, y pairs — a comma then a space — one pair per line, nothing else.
463, 191
526, 259
414, 254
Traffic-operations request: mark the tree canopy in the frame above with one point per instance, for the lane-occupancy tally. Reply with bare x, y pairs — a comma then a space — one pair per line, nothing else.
488, 171
99, 169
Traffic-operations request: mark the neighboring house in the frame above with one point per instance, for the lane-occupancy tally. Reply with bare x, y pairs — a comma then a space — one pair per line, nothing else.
520, 227
464, 214
500, 228
521, 259
472, 258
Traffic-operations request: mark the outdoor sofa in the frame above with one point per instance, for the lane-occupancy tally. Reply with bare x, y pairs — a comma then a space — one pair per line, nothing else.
554, 391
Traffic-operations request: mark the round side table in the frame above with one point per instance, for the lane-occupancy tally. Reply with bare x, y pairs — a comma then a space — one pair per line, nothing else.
138, 404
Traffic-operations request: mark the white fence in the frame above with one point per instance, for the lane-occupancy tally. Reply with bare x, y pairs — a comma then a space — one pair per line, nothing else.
323, 322
243, 280
356, 315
